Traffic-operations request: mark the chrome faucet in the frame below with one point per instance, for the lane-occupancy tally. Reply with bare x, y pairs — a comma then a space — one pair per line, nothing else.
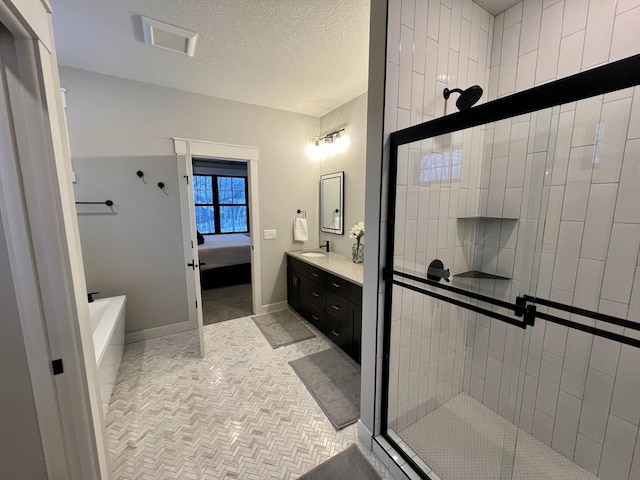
325, 245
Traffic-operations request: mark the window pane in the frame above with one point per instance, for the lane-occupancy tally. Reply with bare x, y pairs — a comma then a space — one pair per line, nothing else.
224, 183
239, 195
233, 219
202, 189
231, 190
224, 190
224, 196
204, 220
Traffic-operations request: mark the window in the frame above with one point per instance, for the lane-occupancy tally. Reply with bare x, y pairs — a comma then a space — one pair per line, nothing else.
221, 204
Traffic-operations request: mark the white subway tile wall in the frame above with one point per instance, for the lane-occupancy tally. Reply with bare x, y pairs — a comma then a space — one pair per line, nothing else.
569, 175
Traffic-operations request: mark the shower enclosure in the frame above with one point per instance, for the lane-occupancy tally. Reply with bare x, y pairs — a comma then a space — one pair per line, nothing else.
511, 312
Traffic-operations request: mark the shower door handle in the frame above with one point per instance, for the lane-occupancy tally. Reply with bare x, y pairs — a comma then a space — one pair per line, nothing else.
192, 265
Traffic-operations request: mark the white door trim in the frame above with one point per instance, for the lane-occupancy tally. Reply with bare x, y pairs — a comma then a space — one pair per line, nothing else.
202, 148
43, 241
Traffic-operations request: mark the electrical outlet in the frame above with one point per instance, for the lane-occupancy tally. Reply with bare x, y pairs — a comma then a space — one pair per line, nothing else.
269, 234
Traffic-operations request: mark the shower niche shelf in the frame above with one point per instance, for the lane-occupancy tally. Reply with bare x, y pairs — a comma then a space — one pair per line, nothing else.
480, 275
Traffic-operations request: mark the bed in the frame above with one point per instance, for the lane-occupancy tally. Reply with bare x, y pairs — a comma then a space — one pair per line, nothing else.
225, 260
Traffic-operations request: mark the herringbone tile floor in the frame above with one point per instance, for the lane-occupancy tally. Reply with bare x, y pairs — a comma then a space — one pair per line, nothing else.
239, 413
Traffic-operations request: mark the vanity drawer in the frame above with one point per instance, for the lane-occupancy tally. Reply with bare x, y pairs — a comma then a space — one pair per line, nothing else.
316, 274
296, 266
355, 294
316, 293
340, 308
339, 334
317, 317
337, 285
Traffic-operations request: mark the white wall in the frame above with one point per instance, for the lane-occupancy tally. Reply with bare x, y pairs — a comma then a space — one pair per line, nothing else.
120, 126
352, 116
21, 454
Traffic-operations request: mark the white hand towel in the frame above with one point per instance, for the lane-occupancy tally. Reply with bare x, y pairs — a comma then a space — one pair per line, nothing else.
300, 232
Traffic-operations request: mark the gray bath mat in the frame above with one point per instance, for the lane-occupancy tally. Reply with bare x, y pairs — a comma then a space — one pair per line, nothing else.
350, 464
335, 384
282, 328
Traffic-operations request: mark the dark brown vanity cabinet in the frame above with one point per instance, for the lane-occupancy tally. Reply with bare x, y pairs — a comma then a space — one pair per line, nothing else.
331, 303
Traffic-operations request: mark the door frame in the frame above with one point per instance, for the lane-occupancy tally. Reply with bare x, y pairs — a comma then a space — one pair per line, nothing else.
41, 230
187, 149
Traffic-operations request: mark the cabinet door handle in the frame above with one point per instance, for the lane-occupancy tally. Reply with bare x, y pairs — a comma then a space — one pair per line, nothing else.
336, 307
315, 274
335, 333
294, 281
337, 285
315, 317
315, 294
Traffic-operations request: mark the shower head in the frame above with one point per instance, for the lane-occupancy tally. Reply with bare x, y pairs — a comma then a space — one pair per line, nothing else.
467, 98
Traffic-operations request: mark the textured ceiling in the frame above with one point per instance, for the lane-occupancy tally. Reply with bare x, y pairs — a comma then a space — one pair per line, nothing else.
304, 56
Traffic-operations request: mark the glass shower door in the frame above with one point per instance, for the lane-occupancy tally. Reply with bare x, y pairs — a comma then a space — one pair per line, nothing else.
468, 227
512, 285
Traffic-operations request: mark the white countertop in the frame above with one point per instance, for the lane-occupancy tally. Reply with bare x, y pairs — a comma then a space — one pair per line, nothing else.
333, 263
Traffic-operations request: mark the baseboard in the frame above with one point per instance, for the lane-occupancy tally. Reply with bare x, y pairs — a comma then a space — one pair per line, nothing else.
364, 434
272, 307
156, 332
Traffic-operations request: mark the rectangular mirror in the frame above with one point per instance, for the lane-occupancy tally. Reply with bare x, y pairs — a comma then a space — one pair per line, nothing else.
332, 203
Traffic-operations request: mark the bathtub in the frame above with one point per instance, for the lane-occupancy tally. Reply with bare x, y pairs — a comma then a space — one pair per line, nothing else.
107, 321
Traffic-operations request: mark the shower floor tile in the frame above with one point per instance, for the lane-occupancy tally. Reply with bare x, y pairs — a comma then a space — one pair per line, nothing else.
238, 413
463, 439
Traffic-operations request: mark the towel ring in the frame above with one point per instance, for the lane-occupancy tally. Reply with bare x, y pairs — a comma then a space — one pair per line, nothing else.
304, 214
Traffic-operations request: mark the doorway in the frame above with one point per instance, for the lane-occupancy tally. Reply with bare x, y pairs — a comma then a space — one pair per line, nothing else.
221, 198
235, 156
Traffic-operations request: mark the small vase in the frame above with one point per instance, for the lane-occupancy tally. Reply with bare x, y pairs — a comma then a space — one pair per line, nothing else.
357, 252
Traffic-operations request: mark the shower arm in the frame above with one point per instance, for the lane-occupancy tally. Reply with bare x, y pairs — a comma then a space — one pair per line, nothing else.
447, 92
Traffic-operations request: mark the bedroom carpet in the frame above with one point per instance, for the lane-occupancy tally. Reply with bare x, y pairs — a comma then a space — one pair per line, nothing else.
335, 384
350, 464
282, 328
221, 304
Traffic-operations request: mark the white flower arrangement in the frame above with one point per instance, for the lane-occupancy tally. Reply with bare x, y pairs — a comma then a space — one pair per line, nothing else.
357, 231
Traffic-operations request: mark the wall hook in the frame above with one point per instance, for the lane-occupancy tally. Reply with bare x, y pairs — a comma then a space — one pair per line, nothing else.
140, 175
161, 187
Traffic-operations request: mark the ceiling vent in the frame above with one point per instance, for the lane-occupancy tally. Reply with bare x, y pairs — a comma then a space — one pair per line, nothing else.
169, 37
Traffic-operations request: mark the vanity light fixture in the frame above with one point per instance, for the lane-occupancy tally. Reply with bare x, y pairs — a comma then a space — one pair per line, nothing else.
329, 145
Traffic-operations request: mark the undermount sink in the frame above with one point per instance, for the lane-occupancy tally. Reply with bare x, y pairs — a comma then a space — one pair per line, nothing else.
313, 254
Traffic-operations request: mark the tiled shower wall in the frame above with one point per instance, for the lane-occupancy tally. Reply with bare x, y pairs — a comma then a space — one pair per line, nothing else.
438, 44
580, 394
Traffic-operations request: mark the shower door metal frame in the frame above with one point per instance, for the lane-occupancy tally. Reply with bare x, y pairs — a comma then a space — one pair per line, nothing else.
608, 78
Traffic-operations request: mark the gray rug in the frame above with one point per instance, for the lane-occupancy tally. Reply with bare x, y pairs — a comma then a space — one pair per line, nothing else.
335, 384
226, 303
282, 328
350, 464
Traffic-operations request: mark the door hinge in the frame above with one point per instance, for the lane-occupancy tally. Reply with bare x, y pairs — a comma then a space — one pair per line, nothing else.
57, 366
196, 303
191, 243
186, 177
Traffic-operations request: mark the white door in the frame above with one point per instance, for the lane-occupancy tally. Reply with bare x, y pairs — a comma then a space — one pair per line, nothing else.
45, 320
190, 240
